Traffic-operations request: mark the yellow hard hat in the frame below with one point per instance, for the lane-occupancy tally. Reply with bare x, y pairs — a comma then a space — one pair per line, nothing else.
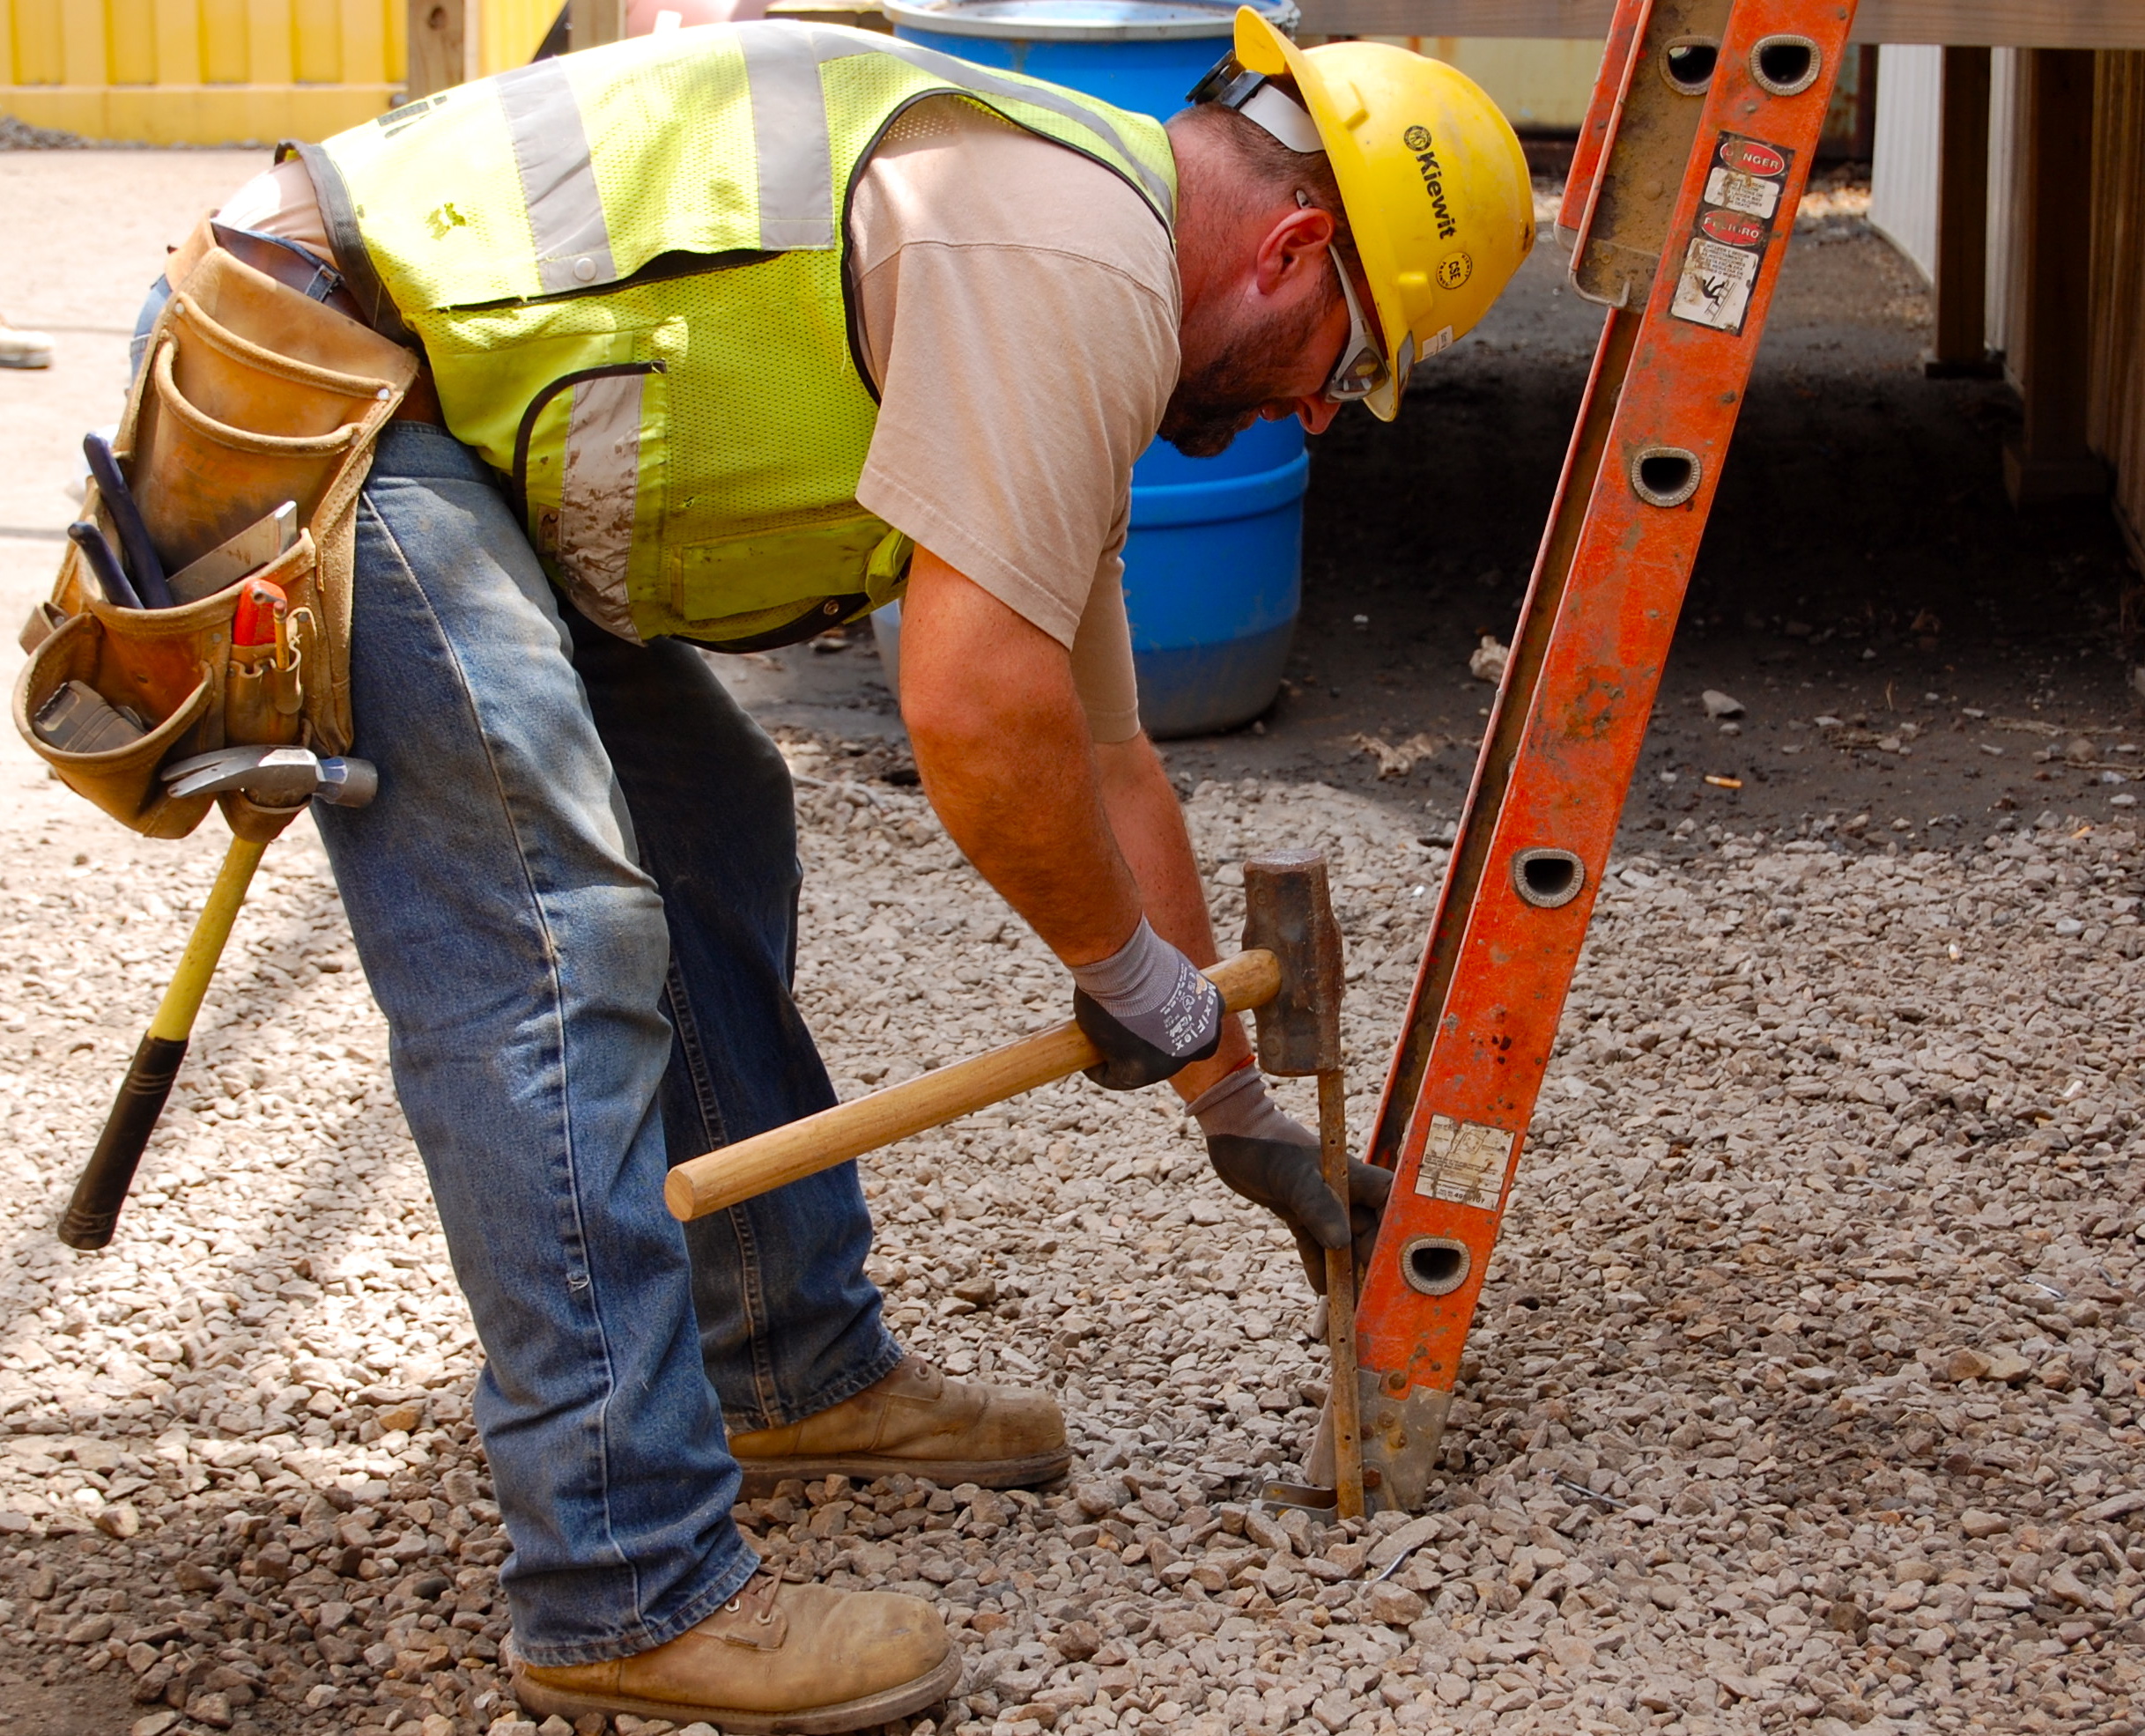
1439, 199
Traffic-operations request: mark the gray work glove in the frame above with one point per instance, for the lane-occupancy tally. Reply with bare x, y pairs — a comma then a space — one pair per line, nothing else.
1149, 1009
1273, 1160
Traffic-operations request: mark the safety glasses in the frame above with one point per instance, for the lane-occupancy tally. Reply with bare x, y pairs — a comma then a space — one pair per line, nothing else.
1227, 82
1362, 369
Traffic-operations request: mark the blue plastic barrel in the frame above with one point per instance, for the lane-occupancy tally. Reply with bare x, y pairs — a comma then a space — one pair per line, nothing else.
1214, 560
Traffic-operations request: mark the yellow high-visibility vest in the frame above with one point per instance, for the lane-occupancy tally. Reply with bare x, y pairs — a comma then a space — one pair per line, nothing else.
625, 266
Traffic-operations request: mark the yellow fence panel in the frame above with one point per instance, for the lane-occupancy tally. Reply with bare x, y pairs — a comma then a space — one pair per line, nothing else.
1541, 84
225, 71
509, 31
131, 53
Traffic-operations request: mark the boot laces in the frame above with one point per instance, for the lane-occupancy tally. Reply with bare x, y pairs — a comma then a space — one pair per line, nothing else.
756, 1595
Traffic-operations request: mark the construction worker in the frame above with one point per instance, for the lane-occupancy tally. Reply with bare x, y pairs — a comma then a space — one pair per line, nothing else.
736, 333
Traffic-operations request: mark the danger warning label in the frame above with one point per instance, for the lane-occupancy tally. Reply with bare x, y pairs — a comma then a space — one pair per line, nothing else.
1715, 287
1742, 192
1727, 243
1464, 1163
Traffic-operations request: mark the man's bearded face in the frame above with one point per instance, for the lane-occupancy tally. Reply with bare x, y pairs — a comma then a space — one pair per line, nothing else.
1253, 369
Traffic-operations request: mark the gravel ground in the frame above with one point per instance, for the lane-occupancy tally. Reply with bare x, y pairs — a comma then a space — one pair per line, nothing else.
1804, 1394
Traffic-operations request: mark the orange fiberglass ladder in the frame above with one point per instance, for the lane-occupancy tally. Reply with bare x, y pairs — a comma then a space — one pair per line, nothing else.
1680, 202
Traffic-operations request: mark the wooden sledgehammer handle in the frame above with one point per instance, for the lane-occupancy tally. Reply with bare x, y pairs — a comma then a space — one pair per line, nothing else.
783, 1154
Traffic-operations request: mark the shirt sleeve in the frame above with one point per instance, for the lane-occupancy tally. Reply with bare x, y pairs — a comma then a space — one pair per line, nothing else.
1102, 667
1018, 386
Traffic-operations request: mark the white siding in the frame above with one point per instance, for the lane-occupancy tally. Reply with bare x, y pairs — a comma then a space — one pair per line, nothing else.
2002, 202
1902, 179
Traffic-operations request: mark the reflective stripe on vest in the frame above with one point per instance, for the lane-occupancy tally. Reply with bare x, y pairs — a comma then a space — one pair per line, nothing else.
626, 268
551, 149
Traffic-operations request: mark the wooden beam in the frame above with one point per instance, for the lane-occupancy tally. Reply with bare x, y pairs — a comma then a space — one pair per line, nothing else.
2051, 459
2050, 24
2004, 23
442, 46
1960, 291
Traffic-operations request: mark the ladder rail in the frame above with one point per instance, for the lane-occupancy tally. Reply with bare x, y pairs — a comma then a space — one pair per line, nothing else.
1572, 712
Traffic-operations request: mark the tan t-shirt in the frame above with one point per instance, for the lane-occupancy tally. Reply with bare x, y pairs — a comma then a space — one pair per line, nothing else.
1020, 320
1019, 305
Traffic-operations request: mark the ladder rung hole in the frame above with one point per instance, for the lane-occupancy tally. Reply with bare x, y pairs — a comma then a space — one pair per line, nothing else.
1786, 65
1435, 1266
1547, 878
1688, 64
1665, 476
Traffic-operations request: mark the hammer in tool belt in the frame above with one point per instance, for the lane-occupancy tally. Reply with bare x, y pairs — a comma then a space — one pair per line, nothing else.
280, 777
1289, 972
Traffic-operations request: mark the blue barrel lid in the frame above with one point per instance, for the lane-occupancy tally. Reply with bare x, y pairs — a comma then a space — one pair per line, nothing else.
1081, 20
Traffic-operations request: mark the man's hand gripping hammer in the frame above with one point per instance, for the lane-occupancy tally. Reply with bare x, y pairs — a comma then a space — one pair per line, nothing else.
783, 1154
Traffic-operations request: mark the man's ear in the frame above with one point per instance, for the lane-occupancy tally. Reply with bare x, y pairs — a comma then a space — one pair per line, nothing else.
1294, 250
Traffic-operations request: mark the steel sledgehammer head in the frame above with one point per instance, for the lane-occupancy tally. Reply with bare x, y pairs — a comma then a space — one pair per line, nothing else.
1287, 911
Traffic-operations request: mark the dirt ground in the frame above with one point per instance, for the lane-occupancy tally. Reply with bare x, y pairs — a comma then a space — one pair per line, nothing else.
1726, 1400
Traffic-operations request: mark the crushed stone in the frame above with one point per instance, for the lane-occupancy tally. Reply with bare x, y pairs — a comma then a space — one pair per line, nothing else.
1804, 1393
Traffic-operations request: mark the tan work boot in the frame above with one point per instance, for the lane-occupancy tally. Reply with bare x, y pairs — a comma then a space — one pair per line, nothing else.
919, 1421
24, 349
806, 1659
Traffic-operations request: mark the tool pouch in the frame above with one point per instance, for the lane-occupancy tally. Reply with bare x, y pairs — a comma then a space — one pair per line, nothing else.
250, 395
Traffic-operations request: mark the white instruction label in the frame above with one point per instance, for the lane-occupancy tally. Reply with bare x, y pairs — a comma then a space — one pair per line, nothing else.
1753, 194
1464, 1163
1714, 289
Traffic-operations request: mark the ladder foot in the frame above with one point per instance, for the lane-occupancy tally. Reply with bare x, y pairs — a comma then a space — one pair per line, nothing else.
1401, 1438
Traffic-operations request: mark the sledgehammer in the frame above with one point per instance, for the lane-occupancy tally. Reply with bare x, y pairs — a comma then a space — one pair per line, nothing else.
1289, 972
783, 1154
1281, 977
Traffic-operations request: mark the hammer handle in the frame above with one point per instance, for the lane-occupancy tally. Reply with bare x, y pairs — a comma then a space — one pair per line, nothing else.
783, 1154
93, 1212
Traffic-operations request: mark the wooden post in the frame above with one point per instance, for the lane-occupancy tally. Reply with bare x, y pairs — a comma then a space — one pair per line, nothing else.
596, 22
1961, 289
442, 46
2050, 461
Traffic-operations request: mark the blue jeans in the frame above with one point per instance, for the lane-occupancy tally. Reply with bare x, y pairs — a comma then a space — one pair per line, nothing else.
575, 899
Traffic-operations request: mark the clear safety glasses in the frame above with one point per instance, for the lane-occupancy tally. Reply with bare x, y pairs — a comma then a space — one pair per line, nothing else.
1361, 370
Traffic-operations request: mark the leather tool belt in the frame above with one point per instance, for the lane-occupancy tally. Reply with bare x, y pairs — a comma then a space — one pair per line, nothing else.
251, 394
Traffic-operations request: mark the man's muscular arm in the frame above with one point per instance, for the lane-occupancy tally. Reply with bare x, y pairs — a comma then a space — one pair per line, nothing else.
1080, 840
1148, 825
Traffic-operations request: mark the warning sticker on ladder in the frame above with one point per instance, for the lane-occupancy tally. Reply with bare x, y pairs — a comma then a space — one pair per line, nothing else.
1715, 287
1464, 1163
1743, 189
1738, 192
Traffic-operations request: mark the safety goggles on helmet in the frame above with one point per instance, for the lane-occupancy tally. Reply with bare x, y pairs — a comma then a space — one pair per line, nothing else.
1229, 84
